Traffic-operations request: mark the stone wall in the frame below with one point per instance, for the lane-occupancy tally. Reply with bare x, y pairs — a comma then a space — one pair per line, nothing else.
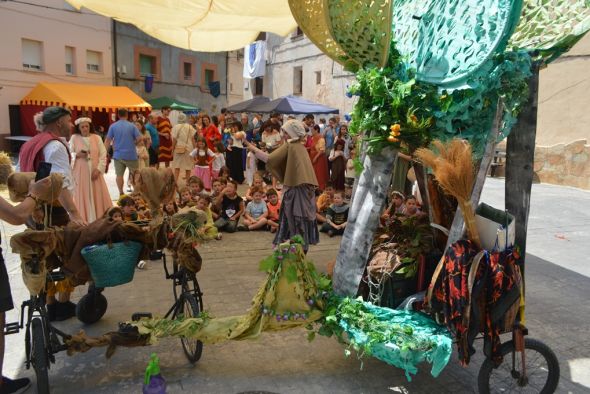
564, 164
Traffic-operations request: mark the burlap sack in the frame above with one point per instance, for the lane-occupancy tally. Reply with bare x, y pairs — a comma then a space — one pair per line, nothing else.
18, 186
384, 261
157, 186
34, 247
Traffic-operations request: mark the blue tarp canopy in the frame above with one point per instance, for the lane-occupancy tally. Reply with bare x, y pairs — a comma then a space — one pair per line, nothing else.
245, 106
293, 105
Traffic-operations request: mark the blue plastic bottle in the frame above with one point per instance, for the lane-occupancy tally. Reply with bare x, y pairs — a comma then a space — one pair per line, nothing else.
153, 382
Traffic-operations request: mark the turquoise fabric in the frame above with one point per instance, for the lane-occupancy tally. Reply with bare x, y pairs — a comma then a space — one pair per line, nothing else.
424, 330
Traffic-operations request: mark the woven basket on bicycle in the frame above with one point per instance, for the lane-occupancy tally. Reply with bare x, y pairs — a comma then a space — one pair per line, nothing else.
112, 264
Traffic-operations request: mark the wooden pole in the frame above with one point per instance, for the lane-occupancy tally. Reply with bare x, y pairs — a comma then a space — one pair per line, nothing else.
520, 156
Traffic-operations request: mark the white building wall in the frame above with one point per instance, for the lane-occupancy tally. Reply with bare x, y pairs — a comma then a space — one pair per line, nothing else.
287, 53
56, 28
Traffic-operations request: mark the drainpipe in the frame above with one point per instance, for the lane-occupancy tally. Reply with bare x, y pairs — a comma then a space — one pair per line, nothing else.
116, 65
227, 78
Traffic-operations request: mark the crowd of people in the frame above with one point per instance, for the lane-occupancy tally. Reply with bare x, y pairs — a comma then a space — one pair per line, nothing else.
212, 155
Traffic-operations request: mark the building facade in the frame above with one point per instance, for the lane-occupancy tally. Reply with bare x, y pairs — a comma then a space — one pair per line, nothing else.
179, 74
49, 41
294, 65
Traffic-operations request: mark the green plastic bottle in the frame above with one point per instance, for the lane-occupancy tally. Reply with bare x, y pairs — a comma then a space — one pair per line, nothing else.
153, 382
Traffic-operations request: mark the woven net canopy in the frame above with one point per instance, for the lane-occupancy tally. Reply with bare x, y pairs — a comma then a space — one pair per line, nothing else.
551, 27
199, 25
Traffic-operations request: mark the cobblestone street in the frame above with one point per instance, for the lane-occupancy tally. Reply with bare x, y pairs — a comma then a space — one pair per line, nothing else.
558, 283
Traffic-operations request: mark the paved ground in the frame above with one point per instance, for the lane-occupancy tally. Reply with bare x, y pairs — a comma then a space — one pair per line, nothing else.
558, 283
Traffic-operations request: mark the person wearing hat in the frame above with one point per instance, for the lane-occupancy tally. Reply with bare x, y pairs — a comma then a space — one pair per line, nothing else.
91, 194
291, 165
183, 143
123, 135
50, 145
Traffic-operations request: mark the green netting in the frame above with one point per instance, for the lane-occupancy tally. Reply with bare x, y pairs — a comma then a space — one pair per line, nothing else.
447, 41
361, 28
404, 338
551, 26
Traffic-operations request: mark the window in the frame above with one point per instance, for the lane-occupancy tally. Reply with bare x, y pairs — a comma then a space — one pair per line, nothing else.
258, 86
32, 55
298, 33
93, 61
70, 56
188, 71
147, 61
231, 87
318, 77
209, 76
298, 80
147, 65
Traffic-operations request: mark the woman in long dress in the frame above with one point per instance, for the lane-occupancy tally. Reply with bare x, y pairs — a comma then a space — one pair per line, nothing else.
317, 154
291, 164
183, 143
91, 194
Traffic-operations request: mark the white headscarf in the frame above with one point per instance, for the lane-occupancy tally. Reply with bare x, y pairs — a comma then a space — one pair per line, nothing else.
294, 128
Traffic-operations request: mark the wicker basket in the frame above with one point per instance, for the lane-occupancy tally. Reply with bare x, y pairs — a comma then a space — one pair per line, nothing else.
112, 264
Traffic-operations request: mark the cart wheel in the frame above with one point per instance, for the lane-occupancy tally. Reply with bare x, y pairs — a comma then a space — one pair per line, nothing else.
542, 370
188, 307
91, 307
39, 357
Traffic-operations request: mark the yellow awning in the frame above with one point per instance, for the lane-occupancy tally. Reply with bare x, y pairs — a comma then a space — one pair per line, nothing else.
199, 25
88, 97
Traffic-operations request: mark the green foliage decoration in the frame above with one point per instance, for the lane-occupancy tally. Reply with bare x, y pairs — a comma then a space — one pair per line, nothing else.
391, 96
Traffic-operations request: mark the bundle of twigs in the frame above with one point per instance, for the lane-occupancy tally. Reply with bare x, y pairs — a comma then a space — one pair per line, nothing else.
453, 168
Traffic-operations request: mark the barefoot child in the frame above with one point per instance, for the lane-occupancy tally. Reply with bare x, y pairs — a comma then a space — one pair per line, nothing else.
256, 212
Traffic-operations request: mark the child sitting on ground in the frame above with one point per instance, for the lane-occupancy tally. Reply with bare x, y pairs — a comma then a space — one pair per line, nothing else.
396, 207
257, 183
274, 206
128, 208
411, 207
209, 231
256, 212
186, 198
224, 172
323, 203
196, 186
170, 208
115, 214
231, 207
336, 217
218, 185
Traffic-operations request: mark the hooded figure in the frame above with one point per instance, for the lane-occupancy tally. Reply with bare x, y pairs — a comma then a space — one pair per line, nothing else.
291, 165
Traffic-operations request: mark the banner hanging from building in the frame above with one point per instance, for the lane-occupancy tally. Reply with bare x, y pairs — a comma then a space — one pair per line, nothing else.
255, 60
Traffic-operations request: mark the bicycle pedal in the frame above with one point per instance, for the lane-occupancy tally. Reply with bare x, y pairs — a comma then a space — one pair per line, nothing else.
11, 328
140, 315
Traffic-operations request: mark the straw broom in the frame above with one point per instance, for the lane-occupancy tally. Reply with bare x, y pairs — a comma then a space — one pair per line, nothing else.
453, 169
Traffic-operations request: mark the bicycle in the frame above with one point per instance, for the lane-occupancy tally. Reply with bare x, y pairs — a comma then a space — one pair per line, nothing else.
188, 302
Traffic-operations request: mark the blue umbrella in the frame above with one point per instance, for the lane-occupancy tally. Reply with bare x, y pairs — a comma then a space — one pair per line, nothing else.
293, 105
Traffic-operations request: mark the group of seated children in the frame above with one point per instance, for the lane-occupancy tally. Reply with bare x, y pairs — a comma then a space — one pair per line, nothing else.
259, 209
400, 206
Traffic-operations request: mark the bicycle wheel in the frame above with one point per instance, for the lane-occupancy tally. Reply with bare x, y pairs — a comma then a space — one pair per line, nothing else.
39, 357
542, 370
188, 307
91, 307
